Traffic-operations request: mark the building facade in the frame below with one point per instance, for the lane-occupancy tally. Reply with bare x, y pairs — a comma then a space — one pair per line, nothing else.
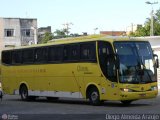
42, 31
17, 32
132, 28
113, 33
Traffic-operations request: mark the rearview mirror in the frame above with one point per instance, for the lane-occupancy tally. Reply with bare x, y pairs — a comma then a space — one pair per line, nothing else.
156, 60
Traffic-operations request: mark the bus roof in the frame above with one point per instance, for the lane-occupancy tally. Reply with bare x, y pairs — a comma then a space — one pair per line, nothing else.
81, 39
90, 38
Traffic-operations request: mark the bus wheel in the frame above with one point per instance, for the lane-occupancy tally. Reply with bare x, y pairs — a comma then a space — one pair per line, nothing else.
94, 97
24, 92
126, 102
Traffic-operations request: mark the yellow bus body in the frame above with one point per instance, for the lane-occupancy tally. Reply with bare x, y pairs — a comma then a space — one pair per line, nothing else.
70, 79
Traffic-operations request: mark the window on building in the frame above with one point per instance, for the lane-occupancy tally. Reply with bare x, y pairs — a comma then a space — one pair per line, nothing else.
26, 32
8, 32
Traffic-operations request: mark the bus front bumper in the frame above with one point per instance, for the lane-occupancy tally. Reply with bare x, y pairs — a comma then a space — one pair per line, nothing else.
138, 95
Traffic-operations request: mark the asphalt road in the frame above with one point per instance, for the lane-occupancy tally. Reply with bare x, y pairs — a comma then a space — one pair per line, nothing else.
13, 108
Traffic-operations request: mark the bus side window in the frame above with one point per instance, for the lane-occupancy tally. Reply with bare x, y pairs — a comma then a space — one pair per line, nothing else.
71, 52
75, 52
40, 55
16, 57
6, 57
59, 53
107, 62
51, 54
55, 53
66, 52
28, 55
88, 51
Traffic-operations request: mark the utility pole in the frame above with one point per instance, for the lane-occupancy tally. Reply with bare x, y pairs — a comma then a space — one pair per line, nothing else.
152, 19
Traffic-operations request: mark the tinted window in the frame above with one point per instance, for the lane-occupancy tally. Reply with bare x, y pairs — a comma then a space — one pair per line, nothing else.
66, 52
16, 57
55, 53
51, 53
6, 57
40, 55
28, 55
88, 51
107, 60
71, 52
74, 52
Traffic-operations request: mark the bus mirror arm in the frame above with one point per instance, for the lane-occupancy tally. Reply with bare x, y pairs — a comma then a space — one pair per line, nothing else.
156, 60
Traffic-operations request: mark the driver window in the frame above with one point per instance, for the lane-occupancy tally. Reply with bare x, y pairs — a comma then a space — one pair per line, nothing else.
107, 61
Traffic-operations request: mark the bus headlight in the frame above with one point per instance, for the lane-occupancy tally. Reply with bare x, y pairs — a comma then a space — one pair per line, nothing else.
154, 88
126, 90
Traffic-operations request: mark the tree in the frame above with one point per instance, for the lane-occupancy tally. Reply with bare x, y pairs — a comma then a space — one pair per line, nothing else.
142, 31
59, 34
47, 36
158, 15
145, 30
66, 31
62, 33
157, 23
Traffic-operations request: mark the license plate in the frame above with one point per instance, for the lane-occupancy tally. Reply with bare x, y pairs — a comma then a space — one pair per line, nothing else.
142, 95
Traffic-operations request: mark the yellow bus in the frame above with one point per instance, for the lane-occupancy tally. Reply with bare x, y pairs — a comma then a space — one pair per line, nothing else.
97, 68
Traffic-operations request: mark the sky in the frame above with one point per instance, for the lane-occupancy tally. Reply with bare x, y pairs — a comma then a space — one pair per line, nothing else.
85, 15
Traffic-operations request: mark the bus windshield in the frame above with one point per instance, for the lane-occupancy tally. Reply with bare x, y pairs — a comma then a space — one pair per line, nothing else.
136, 62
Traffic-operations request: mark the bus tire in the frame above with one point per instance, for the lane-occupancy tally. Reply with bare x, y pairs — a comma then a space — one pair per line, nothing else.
126, 102
94, 97
24, 93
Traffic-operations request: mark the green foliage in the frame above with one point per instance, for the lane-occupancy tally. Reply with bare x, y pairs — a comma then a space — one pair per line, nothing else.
47, 36
158, 15
44, 38
145, 30
61, 33
66, 31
